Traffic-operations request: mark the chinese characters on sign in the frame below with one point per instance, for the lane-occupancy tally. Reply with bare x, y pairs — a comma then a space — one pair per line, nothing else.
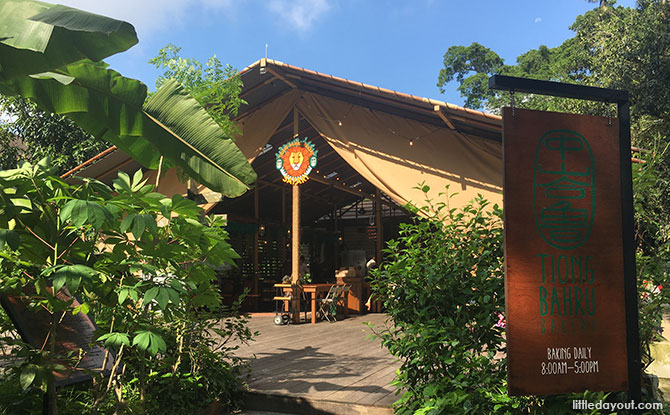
563, 253
560, 189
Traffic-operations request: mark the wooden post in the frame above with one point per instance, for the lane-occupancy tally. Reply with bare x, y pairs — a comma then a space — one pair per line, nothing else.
295, 236
283, 239
336, 251
256, 216
380, 227
295, 233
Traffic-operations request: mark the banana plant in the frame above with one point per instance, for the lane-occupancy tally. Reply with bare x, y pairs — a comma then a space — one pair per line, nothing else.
52, 55
37, 37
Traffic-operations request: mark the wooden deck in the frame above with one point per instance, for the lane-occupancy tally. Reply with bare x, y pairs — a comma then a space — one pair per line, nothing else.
329, 367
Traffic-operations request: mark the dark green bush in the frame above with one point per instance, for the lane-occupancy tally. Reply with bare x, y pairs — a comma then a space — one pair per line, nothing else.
441, 283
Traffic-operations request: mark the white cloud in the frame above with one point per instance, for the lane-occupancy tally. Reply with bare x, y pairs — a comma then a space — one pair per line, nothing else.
149, 15
538, 19
299, 13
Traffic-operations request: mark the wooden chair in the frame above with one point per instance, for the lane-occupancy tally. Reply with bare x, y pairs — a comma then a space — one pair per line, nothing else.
328, 304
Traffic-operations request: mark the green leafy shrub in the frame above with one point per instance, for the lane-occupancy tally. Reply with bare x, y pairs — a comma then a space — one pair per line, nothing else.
142, 266
441, 283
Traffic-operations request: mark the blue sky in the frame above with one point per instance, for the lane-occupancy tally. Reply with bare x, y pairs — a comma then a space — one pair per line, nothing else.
394, 44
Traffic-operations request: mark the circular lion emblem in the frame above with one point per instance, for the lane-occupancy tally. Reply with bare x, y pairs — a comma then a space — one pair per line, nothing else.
295, 160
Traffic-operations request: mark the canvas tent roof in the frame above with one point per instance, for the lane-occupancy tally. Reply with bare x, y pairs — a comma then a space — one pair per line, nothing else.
367, 138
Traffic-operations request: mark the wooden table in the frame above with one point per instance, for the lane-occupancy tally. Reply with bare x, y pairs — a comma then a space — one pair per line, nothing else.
314, 290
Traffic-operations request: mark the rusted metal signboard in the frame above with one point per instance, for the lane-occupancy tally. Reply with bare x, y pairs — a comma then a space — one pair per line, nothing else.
74, 335
564, 284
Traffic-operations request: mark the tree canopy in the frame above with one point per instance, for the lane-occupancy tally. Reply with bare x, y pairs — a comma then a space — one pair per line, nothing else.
613, 47
28, 133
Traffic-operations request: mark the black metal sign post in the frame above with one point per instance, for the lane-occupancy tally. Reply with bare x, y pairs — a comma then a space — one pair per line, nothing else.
622, 100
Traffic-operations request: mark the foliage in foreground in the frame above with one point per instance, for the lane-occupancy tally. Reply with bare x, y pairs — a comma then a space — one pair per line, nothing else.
143, 266
69, 78
441, 284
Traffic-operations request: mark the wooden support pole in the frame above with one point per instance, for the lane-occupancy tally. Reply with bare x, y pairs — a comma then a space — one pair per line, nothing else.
283, 239
295, 232
256, 216
295, 235
380, 227
336, 251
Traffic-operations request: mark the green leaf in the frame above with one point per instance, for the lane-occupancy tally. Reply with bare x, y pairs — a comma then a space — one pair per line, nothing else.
173, 295
149, 341
127, 222
184, 206
9, 238
172, 123
27, 376
151, 224
197, 143
137, 182
82, 308
157, 344
177, 285
82, 212
122, 183
38, 37
138, 226
142, 339
150, 295
58, 282
115, 339
162, 297
71, 276
123, 294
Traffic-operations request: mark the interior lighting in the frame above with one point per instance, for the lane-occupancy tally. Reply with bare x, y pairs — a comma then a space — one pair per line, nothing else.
411, 142
339, 123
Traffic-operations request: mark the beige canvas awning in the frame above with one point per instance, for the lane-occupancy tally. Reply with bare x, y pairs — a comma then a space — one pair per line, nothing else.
397, 154
363, 135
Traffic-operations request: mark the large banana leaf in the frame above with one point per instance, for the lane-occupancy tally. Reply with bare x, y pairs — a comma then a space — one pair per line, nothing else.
38, 37
173, 124
198, 142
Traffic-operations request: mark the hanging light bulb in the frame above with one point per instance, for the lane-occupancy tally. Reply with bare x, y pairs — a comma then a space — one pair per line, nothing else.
411, 142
